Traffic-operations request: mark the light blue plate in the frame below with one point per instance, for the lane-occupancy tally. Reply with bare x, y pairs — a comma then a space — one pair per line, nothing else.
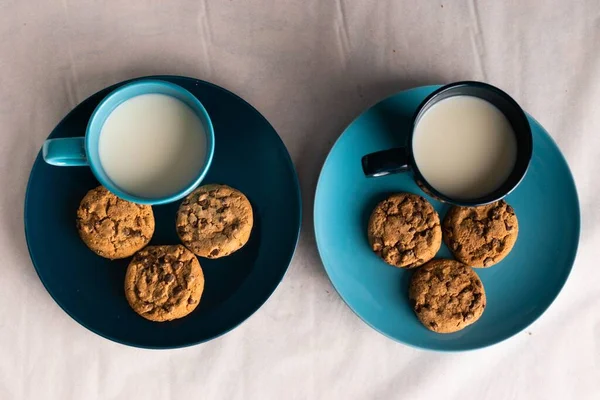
519, 289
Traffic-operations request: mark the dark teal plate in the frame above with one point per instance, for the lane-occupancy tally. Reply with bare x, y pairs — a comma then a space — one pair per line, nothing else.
249, 155
519, 289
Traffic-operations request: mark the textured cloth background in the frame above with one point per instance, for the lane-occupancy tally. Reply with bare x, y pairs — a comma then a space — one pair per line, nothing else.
310, 66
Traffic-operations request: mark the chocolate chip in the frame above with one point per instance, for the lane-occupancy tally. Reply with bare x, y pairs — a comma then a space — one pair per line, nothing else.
168, 307
488, 261
215, 252
222, 210
169, 278
433, 325
177, 265
191, 301
508, 226
204, 204
494, 213
466, 290
418, 217
509, 209
203, 222
407, 255
479, 229
177, 290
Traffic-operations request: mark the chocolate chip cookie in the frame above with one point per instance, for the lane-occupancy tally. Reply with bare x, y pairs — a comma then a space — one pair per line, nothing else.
446, 295
481, 236
404, 230
214, 221
112, 227
163, 283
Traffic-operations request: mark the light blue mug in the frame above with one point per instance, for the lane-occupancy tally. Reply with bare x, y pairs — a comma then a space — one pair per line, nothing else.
83, 151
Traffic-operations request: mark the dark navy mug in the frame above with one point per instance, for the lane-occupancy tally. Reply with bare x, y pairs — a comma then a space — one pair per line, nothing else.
403, 159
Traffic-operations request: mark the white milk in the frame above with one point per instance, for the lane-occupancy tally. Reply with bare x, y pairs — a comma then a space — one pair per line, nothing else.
152, 145
464, 147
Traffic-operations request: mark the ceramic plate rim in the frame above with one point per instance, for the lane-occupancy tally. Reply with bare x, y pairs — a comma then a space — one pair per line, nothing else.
572, 257
298, 195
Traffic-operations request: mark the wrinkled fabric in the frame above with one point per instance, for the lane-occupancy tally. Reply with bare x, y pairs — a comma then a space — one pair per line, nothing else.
310, 66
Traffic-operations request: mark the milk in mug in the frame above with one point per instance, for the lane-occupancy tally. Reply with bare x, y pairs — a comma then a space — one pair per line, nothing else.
152, 145
464, 147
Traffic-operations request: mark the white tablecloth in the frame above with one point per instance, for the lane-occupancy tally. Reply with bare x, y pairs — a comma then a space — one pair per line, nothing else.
310, 66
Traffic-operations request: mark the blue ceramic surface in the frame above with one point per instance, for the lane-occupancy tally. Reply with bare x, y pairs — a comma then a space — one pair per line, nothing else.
80, 151
519, 289
249, 156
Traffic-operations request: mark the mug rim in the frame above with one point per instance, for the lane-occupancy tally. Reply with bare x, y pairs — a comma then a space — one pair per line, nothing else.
199, 111
522, 153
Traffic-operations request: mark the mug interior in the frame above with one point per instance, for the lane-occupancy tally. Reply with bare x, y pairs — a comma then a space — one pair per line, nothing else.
515, 116
129, 91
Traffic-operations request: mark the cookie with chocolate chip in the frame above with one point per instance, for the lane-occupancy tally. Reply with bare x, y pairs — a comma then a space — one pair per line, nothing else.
404, 230
163, 283
481, 236
446, 295
214, 221
112, 227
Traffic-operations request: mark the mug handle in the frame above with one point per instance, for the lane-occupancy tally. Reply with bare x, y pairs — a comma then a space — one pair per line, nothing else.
67, 152
385, 162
